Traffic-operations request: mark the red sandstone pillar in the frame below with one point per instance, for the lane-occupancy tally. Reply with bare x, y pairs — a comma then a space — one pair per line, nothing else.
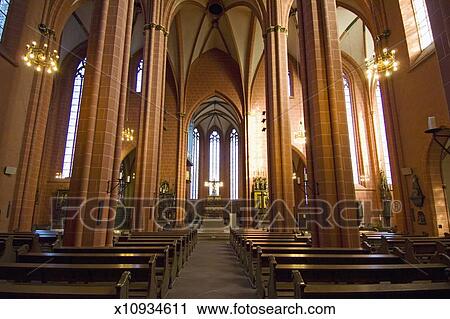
92, 174
26, 191
181, 168
328, 151
279, 147
151, 116
120, 124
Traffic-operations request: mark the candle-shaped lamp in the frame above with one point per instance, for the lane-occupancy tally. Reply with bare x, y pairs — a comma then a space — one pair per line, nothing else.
432, 123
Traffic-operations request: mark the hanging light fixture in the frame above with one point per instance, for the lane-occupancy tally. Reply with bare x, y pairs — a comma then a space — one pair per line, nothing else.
128, 135
300, 135
385, 64
41, 57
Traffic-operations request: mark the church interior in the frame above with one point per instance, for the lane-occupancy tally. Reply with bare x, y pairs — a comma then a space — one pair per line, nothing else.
225, 149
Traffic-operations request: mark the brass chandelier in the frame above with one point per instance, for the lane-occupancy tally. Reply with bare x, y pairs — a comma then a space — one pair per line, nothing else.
41, 57
385, 64
128, 135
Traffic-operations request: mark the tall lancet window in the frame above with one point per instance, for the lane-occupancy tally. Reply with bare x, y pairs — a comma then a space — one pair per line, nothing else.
234, 167
214, 163
73, 120
4, 8
291, 89
423, 23
384, 157
195, 157
351, 129
139, 76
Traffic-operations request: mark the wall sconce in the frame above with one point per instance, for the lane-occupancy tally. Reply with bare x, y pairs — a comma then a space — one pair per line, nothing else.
111, 186
364, 178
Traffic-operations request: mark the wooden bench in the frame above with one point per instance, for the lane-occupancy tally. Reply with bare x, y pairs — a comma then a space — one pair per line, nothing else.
263, 263
183, 245
247, 255
247, 246
239, 239
162, 266
181, 255
12, 290
191, 235
387, 245
173, 264
185, 242
293, 280
143, 276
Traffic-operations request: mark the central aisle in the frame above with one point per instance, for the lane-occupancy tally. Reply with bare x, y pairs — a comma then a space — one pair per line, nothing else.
212, 271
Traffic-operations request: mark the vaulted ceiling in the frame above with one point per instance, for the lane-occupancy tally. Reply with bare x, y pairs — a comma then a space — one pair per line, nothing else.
195, 31
237, 32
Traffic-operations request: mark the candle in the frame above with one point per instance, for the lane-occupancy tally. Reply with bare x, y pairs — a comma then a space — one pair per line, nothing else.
128, 178
432, 123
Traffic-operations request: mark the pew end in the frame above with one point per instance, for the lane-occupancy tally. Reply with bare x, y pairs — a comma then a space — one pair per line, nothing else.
9, 255
123, 286
299, 284
272, 286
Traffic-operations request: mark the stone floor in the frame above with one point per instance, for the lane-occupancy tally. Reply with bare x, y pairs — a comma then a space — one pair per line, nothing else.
212, 271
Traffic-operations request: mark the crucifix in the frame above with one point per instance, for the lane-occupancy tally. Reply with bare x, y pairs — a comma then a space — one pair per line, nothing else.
214, 187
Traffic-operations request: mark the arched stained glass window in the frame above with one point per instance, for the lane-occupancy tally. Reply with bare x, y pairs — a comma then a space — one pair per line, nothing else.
195, 161
234, 164
139, 76
73, 120
351, 129
214, 163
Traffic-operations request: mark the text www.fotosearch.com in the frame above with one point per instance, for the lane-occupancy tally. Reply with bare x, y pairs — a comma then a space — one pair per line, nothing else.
247, 309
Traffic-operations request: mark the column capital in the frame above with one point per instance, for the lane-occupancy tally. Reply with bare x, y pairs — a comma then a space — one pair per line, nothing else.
275, 29
157, 27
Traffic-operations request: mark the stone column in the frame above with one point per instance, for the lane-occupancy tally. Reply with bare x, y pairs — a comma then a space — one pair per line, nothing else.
328, 151
26, 192
151, 116
181, 168
120, 123
279, 147
439, 12
92, 175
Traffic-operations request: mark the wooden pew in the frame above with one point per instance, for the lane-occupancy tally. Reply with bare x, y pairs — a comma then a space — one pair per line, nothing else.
263, 263
245, 243
387, 244
268, 248
184, 246
415, 250
239, 237
181, 255
187, 243
11, 290
285, 277
143, 275
191, 236
173, 263
162, 266
247, 255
